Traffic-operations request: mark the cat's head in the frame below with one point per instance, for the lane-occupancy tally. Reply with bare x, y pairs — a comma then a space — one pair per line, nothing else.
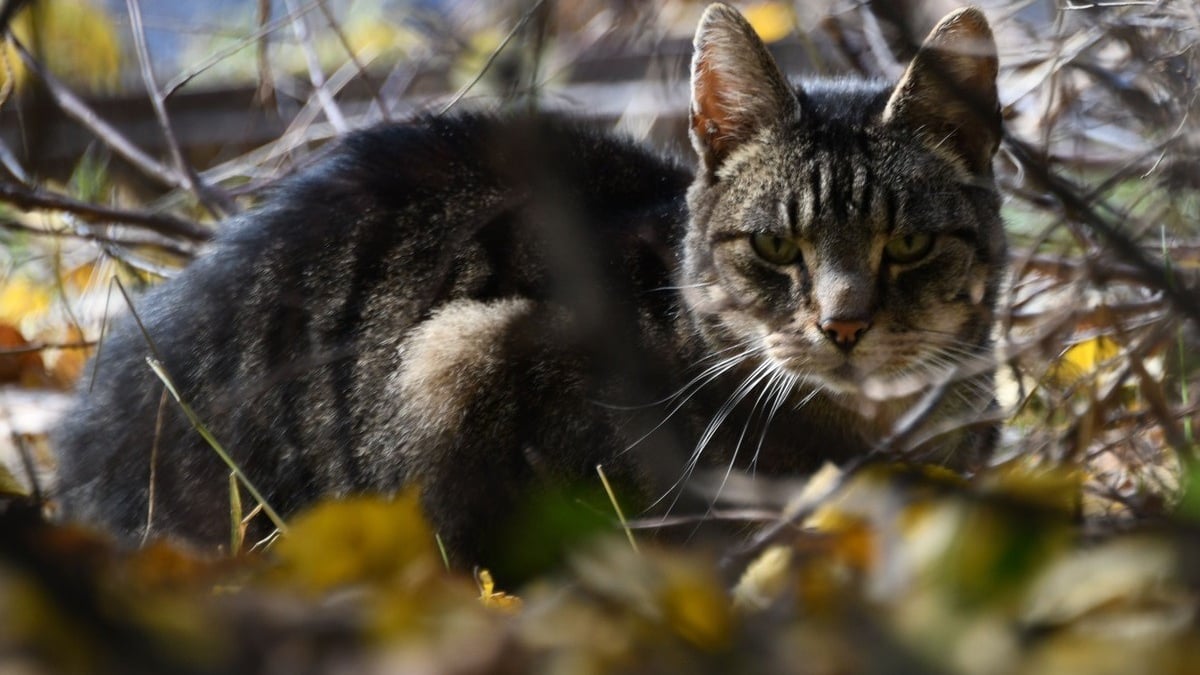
846, 231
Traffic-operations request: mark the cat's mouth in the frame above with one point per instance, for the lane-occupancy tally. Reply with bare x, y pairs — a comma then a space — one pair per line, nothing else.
842, 376
848, 375
845, 378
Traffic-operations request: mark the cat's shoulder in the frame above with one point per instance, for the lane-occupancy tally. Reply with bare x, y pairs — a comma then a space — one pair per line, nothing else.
397, 165
493, 148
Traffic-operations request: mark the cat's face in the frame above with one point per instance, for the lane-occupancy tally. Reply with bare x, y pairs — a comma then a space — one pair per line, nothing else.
848, 234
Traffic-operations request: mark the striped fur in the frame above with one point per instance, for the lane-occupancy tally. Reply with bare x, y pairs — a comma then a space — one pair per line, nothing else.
481, 305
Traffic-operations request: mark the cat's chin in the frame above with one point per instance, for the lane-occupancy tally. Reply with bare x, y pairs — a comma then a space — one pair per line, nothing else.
844, 380
849, 381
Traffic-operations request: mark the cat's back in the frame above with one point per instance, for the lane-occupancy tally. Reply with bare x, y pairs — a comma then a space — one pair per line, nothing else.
274, 335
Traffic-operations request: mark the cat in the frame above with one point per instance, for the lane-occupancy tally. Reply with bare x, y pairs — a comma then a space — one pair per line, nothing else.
482, 304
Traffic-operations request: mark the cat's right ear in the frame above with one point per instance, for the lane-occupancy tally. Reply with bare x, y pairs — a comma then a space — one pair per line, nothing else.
948, 94
737, 88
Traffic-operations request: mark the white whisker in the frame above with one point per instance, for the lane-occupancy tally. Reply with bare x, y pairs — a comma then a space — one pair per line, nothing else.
773, 375
734, 399
783, 389
696, 384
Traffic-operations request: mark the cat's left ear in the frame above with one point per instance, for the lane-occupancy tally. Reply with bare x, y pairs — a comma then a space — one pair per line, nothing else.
948, 94
737, 88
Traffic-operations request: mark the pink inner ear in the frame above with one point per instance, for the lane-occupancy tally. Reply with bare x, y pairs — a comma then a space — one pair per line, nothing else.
710, 118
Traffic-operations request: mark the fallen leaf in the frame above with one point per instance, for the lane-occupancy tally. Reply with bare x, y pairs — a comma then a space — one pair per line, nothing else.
490, 597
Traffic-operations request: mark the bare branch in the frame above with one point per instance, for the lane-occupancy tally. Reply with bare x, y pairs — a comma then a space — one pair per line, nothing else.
487, 65
217, 203
315, 75
1116, 241
263, 30
358, 65
27, 198
77, 110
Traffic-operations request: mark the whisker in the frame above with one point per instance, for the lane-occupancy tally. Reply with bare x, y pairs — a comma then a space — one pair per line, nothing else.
681, 288
700, 381
782, 390
734, 399
684, 388
773, 375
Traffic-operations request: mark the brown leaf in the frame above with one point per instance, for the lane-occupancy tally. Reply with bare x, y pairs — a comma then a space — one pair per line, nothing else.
17, 363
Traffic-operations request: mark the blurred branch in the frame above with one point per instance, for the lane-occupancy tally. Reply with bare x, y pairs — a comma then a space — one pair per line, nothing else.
1123, 247
262, 31
167, 245
1100, 269
266, 82
358, 65
217, 203
43, 346
487, 65
77, 110
8, 10
27, 198
300, 27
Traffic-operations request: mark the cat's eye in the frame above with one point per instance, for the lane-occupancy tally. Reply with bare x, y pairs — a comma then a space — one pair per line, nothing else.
773, 249
908, 248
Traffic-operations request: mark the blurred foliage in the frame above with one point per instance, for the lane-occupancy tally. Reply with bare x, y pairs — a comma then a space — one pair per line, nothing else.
898, 570
773, 21
77, 41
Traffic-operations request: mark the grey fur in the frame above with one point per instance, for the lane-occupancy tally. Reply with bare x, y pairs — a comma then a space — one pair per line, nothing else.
479, 305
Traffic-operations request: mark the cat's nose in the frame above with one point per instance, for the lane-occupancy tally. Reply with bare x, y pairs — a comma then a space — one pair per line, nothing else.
844, 332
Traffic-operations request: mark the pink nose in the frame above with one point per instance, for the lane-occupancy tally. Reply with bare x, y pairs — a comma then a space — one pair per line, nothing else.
844, 332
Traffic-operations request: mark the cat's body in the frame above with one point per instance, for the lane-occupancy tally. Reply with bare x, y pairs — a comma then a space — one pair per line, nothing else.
480, 304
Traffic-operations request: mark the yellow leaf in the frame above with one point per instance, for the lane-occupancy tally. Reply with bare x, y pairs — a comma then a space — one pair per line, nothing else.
9, 485
1083, 359
490, 597
78, 39
695, 605
773, 21
1054, 487
355, 541
764, 579
80, 278
682, 594
21, 298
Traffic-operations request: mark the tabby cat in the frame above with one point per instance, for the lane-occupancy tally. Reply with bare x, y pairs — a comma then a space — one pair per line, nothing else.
481, 305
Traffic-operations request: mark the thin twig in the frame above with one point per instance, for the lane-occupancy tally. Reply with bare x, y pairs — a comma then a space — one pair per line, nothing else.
262, 48
315, 74
358, 65
43, 346
155, 361
487, 65
1116, 241
151, 487
218, 205
29, 198
85, 234
612, 497
76, 109
188, 75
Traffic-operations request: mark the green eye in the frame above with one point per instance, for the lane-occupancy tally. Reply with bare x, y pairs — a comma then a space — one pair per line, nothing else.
908, 248
775, 250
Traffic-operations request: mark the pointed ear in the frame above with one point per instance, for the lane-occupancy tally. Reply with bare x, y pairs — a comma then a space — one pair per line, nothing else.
737, 88
948, 94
